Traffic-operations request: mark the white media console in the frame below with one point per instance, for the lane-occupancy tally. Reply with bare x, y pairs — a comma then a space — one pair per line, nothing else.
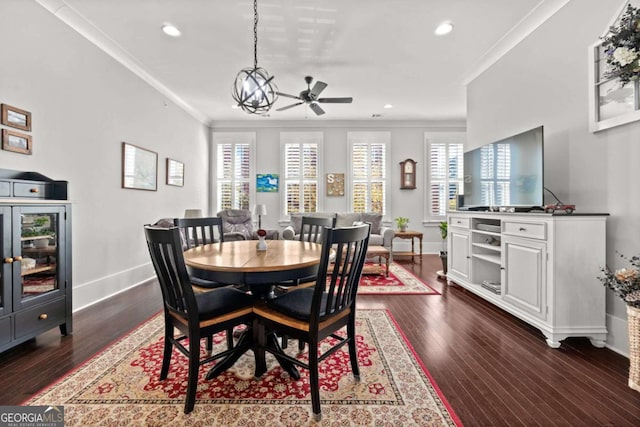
542, 268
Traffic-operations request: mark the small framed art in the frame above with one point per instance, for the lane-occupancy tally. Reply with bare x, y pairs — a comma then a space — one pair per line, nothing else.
139, 168
175, 173
15, 117
267, 183
16, 142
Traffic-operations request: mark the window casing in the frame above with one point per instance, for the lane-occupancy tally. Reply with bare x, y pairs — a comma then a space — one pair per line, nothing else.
234, 160
369, 171
445, 172
300, 171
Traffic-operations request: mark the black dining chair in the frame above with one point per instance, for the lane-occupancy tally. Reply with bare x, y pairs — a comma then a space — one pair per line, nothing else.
313, 314
195, 315
311, 230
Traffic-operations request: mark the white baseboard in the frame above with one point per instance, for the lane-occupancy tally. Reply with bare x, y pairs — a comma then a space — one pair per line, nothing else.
87, 294
617, 335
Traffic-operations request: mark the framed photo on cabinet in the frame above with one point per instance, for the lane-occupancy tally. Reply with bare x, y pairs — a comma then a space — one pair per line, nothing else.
139, 168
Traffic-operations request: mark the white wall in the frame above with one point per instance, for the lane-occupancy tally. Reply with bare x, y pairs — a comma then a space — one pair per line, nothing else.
544, 81
83, 105
407, 141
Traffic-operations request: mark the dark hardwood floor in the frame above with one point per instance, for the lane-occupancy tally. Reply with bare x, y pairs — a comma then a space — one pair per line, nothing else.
492, 368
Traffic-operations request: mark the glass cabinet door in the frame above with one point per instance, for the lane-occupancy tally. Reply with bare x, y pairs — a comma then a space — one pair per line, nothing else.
39, 230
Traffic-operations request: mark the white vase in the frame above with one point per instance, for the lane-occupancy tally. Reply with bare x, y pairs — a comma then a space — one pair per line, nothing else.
262, 244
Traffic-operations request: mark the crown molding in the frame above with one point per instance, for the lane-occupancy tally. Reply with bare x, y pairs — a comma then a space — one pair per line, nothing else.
436, 125
71, 17
527, 25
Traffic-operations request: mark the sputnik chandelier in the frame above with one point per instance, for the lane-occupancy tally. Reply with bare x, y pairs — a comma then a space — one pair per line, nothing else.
254, 90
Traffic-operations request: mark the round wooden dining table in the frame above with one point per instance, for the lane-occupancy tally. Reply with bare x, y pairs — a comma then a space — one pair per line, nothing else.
240, 263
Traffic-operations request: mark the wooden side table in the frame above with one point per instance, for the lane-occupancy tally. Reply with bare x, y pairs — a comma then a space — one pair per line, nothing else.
410, 235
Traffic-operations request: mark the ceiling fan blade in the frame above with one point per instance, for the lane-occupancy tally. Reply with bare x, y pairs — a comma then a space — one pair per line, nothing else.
289, 106
317, 88
335, 100
316, 109
287, 95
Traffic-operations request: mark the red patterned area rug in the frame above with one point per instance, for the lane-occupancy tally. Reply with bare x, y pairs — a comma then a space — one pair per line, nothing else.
400, 281
121, 386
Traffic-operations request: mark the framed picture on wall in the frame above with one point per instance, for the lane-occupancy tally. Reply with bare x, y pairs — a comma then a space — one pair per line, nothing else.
16, 142
139, 168
335, 184
175, 173
267, 183
15, 117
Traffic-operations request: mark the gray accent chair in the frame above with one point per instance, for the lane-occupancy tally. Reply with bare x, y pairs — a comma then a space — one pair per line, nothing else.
238, 225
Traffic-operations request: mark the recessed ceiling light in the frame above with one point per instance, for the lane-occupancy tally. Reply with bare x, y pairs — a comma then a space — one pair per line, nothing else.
444, 28
376, 115
388, 106
171, 30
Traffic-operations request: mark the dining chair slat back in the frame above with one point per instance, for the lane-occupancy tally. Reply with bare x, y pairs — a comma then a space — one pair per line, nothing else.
195, 315
311, 228
313, 314
200, 231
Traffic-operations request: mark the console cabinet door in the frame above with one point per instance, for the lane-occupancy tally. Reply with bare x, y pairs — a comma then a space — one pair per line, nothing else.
6, 279
524, 283
459, 253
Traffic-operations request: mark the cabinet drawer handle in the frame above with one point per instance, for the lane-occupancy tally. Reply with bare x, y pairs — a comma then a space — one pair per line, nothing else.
8, 260
522, 229
17, 258
43, 316
34, 190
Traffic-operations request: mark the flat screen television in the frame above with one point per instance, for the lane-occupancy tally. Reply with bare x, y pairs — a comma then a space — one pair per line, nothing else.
506, 173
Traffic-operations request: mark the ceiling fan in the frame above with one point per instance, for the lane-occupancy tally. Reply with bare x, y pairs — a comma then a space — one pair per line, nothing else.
310, 97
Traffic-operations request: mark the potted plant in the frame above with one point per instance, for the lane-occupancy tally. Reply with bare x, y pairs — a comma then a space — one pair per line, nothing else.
625, 283
444, 229
402, 222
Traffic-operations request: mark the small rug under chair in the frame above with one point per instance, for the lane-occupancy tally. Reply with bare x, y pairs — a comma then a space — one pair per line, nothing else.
400, 281
120, 386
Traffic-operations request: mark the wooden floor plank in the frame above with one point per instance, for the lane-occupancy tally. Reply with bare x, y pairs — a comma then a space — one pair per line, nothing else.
494, 369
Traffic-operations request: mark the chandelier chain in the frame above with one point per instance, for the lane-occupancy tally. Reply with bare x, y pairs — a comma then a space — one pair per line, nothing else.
255, 33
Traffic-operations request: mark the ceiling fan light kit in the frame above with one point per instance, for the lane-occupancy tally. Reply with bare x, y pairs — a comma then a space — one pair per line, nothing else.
310, 97
254, 90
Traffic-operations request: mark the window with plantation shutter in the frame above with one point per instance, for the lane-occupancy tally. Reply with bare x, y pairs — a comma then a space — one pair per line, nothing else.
301, 171
445, 172
234, 169
495, 175
368, 154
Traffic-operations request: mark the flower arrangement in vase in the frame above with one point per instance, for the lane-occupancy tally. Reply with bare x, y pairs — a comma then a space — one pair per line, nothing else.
622, 47
625, 283
262, 243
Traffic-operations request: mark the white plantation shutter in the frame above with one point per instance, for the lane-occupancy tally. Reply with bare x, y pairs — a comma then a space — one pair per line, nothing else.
495, 160
445, 172
234, 165
369, 171
301, 170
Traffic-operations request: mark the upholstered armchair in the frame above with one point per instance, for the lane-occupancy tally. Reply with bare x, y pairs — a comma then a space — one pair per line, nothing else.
238, 225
